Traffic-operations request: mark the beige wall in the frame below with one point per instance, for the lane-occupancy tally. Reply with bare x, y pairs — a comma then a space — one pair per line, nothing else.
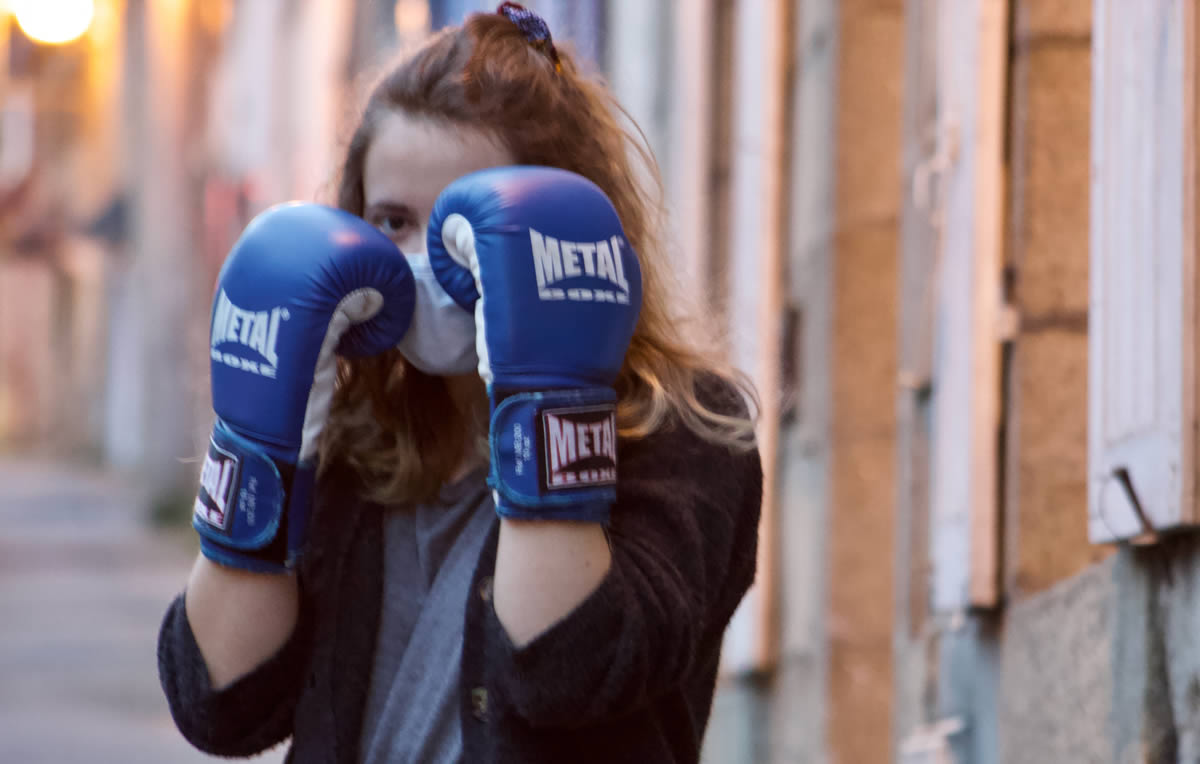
864, 332
1048, 252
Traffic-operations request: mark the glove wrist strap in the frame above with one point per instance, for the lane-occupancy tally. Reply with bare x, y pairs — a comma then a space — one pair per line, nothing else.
554, 455
240, 512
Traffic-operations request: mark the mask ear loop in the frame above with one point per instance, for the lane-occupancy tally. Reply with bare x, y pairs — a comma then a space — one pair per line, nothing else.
537, 33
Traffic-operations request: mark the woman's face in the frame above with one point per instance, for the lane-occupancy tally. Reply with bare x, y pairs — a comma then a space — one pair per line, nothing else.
410, 160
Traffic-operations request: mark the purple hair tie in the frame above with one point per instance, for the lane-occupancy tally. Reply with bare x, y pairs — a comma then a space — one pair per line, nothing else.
534, 28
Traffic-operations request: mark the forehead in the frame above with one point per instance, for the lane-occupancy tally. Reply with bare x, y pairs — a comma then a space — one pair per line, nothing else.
411, 159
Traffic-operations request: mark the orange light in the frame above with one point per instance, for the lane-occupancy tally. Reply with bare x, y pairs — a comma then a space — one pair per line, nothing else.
412, 18
53, 22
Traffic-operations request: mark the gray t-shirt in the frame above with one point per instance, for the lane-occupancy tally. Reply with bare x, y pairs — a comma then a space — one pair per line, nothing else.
430, 553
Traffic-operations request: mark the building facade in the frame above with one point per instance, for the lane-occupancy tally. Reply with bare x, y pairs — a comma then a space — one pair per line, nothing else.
983, 547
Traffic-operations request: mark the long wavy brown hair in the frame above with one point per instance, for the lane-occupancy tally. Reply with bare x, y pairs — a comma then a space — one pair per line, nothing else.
405, 432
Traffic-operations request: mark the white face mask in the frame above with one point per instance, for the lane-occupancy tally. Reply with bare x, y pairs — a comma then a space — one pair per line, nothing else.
441, 339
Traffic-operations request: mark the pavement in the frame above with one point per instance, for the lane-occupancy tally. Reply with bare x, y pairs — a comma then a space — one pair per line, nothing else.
83, 586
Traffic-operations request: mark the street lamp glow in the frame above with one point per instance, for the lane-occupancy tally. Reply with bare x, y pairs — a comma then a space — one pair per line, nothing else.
53, 22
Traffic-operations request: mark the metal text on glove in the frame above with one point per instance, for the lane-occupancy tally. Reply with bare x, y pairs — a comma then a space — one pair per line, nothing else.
256, 330
555, 260
217, 478
581, 448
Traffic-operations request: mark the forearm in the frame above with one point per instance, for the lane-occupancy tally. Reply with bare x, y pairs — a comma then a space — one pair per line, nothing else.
544, 570
239, 619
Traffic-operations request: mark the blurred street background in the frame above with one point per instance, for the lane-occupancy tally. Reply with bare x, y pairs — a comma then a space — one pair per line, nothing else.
83, 582
954, 243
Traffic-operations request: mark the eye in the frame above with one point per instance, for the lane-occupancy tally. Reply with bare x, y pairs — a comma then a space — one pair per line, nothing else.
393, 225
396, 221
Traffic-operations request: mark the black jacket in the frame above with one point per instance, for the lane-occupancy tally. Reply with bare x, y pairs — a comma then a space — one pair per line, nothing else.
628, 676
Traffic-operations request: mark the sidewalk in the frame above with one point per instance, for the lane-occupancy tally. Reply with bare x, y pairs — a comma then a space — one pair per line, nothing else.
83, 586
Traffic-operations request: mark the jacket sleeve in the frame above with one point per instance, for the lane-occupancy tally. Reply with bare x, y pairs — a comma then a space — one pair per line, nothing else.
245, 718
684, 538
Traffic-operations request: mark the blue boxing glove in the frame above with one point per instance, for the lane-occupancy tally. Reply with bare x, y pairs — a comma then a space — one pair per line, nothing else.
539, 256
304, 283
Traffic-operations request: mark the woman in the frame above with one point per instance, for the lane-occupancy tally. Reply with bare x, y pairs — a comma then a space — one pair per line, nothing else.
423, 624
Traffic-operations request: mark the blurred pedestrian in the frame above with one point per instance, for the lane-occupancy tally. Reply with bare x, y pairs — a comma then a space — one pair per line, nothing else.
535, 516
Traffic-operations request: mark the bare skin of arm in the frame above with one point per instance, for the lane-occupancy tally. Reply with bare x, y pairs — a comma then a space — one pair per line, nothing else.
544, 570
240, 619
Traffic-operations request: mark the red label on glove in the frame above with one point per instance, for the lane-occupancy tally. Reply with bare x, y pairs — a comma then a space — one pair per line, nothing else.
218, 481
579, 447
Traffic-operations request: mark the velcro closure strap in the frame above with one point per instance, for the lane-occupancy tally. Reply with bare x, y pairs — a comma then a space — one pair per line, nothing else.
240, 502
554, 454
